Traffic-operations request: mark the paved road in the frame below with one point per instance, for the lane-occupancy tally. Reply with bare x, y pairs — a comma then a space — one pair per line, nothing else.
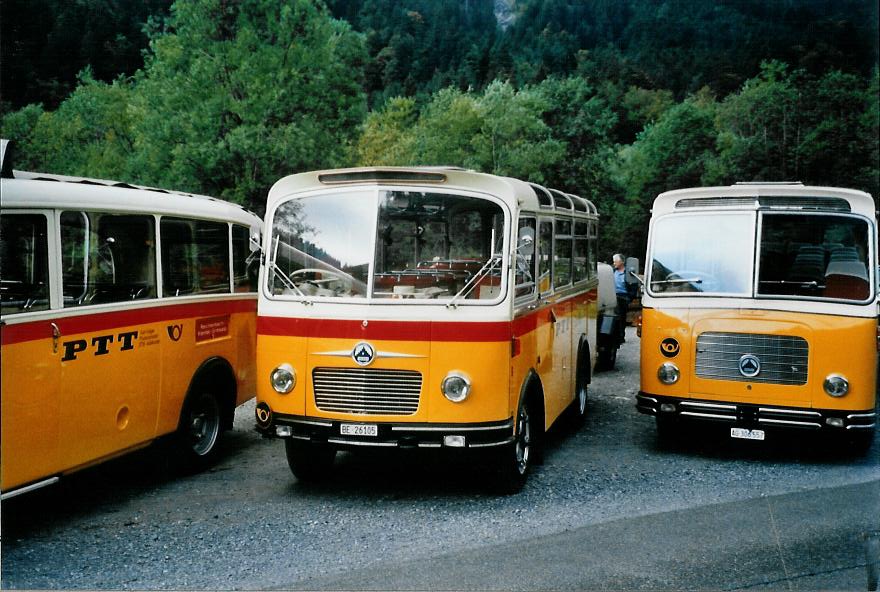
608, 509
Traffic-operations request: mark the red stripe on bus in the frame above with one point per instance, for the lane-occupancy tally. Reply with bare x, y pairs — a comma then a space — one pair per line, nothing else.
91, 322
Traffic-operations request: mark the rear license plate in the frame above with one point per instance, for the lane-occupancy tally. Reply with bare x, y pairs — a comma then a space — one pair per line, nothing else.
746, 434
359, 429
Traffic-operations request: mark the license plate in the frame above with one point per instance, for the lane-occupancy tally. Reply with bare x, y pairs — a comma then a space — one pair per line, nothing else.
746, 434
359, 429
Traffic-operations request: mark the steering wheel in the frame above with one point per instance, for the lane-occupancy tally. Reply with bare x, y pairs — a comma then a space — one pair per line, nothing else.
336, 275
707, 282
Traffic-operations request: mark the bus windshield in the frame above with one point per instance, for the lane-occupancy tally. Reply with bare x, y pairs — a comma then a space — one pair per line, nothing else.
814, 256
419, 245
703, 253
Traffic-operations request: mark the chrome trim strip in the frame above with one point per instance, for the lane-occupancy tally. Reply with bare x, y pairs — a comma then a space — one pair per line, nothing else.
339, 353
803, 424
504, 426
788, 411
709, 415
867, 426
860, 415
31, 487
707, 405
644, 398
489, 444
360, 443
323, 424
430, 445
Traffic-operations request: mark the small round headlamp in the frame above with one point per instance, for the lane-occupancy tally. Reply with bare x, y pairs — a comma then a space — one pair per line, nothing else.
456, 387
668, 373
283, 379
836, 385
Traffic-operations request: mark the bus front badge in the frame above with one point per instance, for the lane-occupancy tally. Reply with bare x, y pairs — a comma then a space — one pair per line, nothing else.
363, 354
749, 366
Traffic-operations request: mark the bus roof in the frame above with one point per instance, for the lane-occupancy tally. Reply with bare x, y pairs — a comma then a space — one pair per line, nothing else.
517, 194
751, 196
22, 189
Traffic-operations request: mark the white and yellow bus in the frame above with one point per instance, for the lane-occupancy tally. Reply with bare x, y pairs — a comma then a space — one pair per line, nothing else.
423, 308
760, 310
126, 313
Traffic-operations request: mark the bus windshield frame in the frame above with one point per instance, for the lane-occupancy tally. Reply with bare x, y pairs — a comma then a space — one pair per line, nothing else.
384, 245
850, 287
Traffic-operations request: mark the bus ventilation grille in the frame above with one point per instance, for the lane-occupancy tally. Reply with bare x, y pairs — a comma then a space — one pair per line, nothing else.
366, 391
782, 358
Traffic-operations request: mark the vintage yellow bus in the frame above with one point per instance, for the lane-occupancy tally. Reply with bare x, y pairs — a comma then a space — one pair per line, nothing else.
126, 313
423, 308
760, 311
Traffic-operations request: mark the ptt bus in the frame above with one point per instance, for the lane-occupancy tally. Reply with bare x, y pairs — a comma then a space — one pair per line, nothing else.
760, 311
126, 313
423, 308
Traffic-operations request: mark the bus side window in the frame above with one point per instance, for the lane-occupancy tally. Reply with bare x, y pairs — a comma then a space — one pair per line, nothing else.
244, 275
545, 256
581, 267
525, 264
562, 272
195, 257
107, 258
24, 263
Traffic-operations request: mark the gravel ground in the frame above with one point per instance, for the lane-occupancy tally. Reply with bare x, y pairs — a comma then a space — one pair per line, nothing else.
247, 523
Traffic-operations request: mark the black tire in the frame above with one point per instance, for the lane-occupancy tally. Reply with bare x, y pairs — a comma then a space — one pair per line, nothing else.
859, 442
578, 409
607, 358
518, 457
201, 428
669, 430
309, 462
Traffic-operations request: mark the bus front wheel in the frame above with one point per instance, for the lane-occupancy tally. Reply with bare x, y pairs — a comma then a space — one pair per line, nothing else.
309, 462
518, 457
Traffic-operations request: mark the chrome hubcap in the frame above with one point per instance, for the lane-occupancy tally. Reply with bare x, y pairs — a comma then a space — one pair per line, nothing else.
523, 441
204, 425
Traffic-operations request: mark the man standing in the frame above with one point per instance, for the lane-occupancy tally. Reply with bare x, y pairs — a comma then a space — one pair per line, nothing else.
621, 290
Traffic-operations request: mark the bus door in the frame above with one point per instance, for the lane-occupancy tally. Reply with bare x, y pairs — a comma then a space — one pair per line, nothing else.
553, 339
110, 360
30, 370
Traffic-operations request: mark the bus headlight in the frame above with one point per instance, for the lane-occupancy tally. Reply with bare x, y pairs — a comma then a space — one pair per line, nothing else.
283, 379
668, 373
836, 385
456, 387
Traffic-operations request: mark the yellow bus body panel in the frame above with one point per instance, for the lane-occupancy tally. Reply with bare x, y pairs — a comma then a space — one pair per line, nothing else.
60, 416
839, 345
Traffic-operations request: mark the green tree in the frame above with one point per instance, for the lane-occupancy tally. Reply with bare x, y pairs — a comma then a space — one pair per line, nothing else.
236, 94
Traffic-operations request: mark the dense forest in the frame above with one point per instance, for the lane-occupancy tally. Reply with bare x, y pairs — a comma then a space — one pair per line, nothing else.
616, 100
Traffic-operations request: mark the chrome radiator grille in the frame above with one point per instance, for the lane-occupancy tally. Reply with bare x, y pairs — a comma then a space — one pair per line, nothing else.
783, 358
367, 391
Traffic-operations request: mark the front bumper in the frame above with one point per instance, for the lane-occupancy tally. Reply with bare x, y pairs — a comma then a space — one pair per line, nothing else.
749, 415
389, 435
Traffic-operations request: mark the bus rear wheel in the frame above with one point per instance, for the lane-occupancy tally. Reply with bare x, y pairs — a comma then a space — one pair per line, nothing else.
309, 462
200, 430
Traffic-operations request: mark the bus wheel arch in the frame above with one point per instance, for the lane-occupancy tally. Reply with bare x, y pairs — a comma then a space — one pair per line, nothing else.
518, 457
208, 409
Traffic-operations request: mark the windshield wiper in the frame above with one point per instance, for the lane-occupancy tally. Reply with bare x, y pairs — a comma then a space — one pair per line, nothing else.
679, 281
469, 286
276, 271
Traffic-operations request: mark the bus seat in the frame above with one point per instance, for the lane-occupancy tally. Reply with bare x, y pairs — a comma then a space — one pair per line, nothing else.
847, 280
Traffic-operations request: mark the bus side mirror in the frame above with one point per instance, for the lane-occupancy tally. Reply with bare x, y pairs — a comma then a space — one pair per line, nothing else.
526, 245
632, 271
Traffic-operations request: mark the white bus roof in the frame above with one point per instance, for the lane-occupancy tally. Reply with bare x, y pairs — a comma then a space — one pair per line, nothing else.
517, 194
44, 191
748, 196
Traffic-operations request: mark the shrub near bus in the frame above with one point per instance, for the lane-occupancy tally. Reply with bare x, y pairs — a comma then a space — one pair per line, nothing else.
422, 308
127, 314
760, 311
